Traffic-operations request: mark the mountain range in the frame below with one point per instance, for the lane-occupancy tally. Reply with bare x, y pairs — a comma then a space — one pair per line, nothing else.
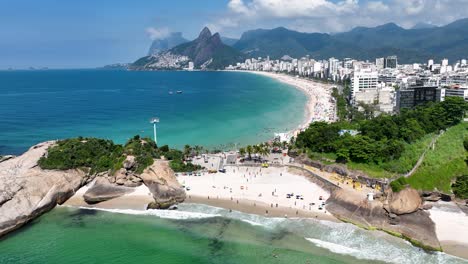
410, 45
417, 44
206, 52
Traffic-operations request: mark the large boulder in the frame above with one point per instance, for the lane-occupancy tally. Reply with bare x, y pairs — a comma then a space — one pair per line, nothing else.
163, 184
102, 190
27, 191
129, 163
406, 201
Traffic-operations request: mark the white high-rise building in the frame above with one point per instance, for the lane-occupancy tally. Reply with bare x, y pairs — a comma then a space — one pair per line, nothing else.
364, 78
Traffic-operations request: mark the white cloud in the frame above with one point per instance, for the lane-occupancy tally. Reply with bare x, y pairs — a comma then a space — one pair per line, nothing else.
377, 6
291, 8
336, 15
157, 33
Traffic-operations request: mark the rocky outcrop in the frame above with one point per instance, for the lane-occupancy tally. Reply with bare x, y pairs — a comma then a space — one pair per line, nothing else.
163, 184
5, 158
102, 190
416, 227
26, 191
405, 202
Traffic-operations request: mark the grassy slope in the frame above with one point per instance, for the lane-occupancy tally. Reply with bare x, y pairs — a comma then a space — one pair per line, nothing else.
443, 164
391, 169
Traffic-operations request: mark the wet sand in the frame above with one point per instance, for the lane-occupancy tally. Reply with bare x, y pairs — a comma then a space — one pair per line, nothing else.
259, 208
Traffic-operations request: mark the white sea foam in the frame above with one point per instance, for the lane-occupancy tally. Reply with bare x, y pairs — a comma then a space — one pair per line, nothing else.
335, 248
166, 214
338, 238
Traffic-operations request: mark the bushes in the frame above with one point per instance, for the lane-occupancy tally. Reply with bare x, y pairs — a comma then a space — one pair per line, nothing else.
398, 184
99, 155
383, 138
180, 166
460, 187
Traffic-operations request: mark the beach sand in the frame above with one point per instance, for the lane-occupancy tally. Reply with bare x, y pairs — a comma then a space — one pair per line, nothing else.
259, 191
451, 228
137, 200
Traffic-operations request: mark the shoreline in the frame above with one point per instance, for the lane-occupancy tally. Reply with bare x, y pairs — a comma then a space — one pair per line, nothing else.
318, 98
260, 208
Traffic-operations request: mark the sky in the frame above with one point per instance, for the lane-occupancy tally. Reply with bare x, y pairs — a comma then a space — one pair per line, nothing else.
93, 33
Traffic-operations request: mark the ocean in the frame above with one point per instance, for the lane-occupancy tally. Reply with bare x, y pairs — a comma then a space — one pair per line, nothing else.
215, 109
200, 234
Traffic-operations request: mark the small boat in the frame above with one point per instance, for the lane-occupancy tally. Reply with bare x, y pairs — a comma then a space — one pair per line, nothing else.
179, 92
171, 92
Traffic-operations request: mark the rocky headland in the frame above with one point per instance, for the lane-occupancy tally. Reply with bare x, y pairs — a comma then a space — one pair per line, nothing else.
27, 190
400, 214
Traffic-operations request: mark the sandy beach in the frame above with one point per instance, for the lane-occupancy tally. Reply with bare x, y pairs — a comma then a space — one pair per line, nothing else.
254, 190
258, 190
320, 106
451, 228
137, 200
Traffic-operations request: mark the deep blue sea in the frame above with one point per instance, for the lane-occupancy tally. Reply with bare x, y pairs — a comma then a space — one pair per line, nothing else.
215, 109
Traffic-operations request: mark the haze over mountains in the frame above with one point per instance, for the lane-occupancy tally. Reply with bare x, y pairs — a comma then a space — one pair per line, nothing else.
418, 44
206, 52
159, 45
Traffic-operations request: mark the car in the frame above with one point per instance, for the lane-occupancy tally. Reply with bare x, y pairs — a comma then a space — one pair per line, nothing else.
188, 188
320, 197
222, 170
320, 207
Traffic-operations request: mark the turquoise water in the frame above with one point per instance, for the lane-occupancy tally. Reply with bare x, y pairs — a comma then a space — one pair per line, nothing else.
215, 109
199, 234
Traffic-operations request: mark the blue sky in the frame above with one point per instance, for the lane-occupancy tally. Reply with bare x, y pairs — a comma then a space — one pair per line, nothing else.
90, 33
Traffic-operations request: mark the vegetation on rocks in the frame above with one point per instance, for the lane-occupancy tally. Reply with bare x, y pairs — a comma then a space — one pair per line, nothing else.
99, 155
399, 184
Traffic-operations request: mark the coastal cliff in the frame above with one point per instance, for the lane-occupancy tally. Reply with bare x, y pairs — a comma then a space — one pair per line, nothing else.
163, 185
27, 190
398, 214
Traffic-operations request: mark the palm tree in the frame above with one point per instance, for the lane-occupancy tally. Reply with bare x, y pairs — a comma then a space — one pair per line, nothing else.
256, 149
249, 150
198, 149
265, 150
242, 152
187, 150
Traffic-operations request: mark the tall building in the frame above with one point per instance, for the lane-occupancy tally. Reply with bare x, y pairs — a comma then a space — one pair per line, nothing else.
380, 63
332, 67
363, 79
417, 95
391, 62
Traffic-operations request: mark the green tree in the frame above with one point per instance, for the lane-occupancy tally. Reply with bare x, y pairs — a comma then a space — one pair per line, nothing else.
242, 152
455, 108
249, 150
187, 150
460, 187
